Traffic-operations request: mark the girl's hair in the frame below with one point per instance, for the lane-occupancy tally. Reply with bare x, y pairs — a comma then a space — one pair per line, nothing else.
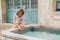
21, 11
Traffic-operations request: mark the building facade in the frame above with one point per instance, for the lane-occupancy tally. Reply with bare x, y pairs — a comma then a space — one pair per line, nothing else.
46, 11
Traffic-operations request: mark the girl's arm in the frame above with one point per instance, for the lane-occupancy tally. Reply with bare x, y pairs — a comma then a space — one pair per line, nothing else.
14, 21
17, 25
22, 21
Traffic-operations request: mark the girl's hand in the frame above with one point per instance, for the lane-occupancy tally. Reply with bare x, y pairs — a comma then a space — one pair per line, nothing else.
20, 26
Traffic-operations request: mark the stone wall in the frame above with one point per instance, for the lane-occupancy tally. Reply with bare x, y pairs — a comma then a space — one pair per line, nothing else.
0, 12
48, 16
3, 4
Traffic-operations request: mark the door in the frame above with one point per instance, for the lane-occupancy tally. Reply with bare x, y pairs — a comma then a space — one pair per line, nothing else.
30, 11
34, 11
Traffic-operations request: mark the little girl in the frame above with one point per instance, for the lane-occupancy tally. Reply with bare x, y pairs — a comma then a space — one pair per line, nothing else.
18, 19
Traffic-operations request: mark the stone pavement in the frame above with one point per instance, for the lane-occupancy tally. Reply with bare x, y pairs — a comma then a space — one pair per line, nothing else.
4, 26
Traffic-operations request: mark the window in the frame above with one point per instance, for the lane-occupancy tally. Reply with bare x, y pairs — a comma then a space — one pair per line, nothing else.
34, 3
13, 4
16, 3
58, 5
25, 3
10, 4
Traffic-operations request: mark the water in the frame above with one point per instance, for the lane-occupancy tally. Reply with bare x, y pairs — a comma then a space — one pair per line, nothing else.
44, 35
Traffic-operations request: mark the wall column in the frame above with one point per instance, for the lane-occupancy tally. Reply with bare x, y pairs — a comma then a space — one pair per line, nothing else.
43, 11
0, 13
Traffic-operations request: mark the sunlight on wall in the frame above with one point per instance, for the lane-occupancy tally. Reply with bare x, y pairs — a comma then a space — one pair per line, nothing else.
47, 13
3, 4
0, 12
